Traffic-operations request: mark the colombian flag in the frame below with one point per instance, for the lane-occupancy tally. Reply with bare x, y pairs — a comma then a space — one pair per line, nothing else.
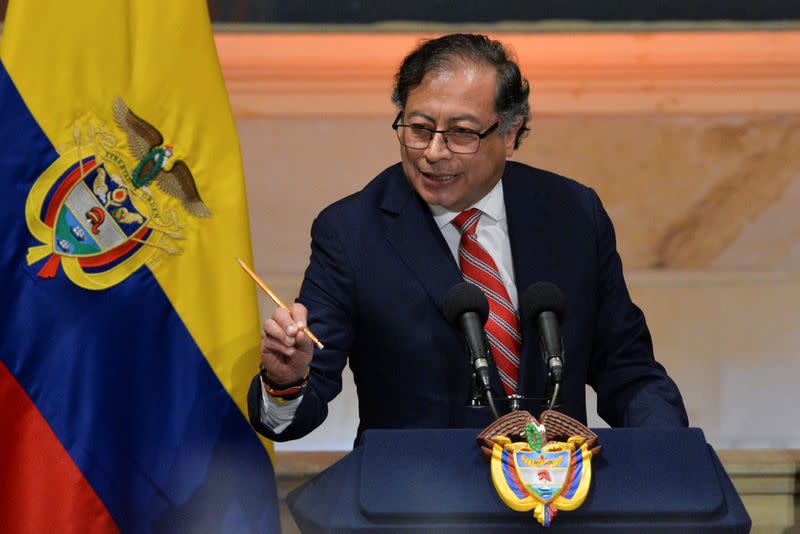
128, 333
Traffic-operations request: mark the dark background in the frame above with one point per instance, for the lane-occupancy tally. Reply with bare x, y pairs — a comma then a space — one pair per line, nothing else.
450, 11
489, 11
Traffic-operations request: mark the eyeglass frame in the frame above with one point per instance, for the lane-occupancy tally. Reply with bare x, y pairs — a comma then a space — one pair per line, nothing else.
444, 133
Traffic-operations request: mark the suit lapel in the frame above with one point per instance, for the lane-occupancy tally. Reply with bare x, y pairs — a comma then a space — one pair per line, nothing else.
412, 232
527, 227
528, 236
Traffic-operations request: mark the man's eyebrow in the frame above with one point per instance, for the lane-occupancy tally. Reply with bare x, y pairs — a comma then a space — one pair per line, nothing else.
420, 115
466, 117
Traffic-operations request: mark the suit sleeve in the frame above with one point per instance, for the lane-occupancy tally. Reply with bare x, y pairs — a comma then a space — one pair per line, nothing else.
327, 292
633, 389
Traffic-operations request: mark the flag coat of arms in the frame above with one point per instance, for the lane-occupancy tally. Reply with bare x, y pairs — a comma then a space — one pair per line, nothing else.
128, 334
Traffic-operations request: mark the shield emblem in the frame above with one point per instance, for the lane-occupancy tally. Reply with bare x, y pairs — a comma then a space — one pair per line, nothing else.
543, 473
82, 210
544, 481
96, 214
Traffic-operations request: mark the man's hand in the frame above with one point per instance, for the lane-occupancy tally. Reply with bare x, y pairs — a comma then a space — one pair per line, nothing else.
286, 350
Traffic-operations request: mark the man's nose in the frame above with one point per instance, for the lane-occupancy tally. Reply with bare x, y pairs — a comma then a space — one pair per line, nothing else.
437, 148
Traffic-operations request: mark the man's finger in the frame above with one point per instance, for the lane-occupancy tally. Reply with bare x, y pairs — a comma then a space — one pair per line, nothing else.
277, 347
299, 314
303, 342
273, 330
283, 317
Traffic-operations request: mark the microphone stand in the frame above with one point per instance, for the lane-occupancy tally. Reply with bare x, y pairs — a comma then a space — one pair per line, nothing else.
490, 399
555, 395
481, 394
476, 399
514, 402
481, 397
553, 387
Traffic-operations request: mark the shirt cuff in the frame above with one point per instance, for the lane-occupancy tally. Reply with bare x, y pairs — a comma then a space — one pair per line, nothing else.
277, 414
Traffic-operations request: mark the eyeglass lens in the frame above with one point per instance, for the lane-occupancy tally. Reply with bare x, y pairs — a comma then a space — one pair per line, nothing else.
419, 138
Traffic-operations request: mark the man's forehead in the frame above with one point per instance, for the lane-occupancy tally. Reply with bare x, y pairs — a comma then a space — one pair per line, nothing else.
463, 91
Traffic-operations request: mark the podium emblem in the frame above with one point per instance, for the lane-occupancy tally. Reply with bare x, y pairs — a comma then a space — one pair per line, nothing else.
540, 467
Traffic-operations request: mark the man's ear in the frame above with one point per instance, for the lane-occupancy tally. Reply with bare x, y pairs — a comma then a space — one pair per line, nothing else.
510, 137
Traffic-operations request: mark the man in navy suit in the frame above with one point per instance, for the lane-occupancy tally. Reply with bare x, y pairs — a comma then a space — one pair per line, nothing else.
383, 259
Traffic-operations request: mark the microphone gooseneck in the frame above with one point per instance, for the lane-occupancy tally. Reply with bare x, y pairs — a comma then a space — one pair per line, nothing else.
544, 304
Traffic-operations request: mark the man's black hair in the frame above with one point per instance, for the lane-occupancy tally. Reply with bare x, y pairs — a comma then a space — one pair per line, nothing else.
512, 90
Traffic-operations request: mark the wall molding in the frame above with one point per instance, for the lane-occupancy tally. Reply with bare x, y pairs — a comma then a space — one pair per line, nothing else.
653, 73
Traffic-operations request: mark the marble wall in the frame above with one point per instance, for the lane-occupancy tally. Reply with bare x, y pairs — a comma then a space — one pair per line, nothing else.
700, 193
705, 212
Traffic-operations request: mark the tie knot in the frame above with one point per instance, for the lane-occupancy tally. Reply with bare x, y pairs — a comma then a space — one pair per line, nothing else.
467, 221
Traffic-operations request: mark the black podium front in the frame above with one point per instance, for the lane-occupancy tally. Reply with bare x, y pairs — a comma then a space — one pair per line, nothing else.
645, 480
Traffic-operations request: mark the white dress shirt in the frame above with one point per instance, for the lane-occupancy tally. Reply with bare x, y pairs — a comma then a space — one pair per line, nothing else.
492, 234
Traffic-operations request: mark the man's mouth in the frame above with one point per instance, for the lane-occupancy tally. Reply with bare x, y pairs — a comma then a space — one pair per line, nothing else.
439, 177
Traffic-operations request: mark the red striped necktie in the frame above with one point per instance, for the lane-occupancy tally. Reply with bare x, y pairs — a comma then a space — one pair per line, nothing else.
502, 328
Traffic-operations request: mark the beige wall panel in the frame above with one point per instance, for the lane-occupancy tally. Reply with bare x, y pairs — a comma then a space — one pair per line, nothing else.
684, 323
296, 167
760, 349
685, 192
698, 193
705, 212
705, 209
773, 239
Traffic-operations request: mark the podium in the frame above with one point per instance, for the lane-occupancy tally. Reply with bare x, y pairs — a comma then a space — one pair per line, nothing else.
644, 480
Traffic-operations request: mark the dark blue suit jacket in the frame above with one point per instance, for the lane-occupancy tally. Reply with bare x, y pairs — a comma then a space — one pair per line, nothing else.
375, 286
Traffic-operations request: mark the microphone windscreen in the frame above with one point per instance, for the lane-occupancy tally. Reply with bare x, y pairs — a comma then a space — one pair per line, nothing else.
463, 298
541, 297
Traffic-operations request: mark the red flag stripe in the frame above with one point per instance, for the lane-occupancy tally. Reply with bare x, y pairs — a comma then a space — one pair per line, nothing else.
42, 489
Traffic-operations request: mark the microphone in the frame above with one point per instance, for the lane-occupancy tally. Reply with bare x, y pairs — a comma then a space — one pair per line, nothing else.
544, 303
466, 308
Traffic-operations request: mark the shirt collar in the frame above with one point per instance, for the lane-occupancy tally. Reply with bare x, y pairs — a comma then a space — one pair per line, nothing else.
492, 205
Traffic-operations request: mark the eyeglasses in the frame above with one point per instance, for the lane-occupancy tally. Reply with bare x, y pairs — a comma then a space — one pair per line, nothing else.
457, 141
